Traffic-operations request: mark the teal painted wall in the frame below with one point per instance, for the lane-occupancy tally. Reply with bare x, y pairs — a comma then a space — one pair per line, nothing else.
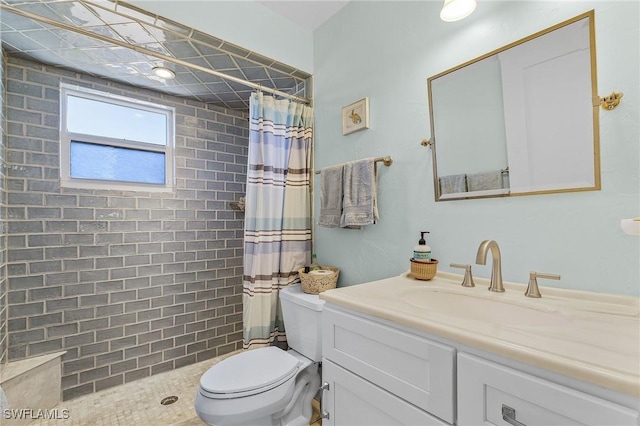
386, 51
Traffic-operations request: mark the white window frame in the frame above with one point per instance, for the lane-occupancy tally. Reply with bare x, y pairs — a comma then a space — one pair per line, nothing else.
66, 180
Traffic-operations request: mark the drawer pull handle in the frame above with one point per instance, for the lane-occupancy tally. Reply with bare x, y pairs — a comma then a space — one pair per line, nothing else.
323, 414
509, 416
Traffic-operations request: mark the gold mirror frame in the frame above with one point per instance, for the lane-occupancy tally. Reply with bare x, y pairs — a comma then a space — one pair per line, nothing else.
596, 100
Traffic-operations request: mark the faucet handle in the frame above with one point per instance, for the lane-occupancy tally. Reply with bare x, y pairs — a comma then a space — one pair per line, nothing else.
468, 278
532, 288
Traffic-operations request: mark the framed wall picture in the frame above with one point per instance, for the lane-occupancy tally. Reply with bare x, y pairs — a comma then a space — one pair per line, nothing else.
355, 116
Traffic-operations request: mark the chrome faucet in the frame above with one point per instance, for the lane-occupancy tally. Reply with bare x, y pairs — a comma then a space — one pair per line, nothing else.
496, 270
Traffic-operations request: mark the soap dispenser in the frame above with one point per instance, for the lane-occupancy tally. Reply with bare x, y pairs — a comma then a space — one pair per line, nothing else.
422, 252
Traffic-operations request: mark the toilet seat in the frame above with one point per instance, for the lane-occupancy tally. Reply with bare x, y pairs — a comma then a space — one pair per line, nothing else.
249, 373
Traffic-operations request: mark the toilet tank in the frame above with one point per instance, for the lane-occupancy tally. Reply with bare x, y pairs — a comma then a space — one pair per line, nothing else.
302, 315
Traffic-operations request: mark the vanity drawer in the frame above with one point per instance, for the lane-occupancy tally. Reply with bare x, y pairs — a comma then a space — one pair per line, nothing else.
349, 400
416, 369
484, 387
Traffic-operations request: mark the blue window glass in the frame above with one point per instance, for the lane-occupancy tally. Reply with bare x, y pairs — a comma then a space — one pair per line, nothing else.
103, 162
108, 141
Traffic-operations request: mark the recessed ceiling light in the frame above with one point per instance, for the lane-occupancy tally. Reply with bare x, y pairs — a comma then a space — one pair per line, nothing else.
164, 72
455, 10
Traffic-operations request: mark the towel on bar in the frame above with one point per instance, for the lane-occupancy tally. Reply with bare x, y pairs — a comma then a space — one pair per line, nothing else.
453, 183
484, 181
359, 204
331, 196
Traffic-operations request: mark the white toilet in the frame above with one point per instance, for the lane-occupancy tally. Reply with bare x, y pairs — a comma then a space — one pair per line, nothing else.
269, 386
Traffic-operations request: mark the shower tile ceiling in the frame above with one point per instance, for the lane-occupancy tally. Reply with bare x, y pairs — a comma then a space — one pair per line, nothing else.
120, 42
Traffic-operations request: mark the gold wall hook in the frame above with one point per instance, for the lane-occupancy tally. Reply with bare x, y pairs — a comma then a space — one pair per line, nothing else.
612, 101
426, 142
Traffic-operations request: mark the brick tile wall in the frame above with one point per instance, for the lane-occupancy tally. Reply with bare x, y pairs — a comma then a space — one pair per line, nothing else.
3, 214
130, 284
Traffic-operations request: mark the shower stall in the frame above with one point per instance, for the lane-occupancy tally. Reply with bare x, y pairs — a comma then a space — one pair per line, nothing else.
123, 284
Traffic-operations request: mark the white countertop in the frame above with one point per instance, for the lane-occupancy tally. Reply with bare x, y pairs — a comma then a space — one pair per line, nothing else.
588, 336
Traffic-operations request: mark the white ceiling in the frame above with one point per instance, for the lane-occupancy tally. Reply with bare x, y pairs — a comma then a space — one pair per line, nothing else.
133, 43
308, 14
44, 42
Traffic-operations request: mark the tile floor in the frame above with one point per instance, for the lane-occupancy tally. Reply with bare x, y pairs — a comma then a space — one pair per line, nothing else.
138, 403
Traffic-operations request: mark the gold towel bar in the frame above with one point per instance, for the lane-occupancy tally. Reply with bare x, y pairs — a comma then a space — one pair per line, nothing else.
387, 161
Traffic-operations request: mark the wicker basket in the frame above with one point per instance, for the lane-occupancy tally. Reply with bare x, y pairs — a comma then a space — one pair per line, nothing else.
314, 284
424, 270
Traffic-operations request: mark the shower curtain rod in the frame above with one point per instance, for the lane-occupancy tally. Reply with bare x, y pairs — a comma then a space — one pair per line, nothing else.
152, 53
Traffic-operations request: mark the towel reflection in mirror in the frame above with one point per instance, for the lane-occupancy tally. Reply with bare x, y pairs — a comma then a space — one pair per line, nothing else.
484, 181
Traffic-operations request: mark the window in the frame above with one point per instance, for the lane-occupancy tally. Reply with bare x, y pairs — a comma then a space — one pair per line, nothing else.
113, 142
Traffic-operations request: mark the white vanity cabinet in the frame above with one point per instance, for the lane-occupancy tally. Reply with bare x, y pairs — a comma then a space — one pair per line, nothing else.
379, 372
493, 394
381, 375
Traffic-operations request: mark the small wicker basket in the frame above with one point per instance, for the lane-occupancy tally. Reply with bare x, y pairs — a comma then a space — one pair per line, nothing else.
314, 284
424, 270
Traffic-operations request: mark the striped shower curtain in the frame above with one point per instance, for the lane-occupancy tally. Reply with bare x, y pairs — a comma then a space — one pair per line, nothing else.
277, 234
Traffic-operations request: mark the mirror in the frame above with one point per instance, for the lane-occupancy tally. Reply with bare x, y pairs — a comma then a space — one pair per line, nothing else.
520, 120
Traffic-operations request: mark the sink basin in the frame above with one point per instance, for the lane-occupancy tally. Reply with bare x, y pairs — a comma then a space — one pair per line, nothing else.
484, 309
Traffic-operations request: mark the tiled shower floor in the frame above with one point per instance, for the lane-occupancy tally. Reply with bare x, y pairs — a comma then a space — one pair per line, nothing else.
138, 403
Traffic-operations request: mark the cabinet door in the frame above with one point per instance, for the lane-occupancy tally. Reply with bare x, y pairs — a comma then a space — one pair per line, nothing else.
485, 388
412, 367
353, 401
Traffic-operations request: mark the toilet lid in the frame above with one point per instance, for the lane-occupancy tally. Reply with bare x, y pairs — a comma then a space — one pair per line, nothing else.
249, 372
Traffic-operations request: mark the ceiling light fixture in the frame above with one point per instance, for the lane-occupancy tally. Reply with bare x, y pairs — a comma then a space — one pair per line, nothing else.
164, 72
455, 10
